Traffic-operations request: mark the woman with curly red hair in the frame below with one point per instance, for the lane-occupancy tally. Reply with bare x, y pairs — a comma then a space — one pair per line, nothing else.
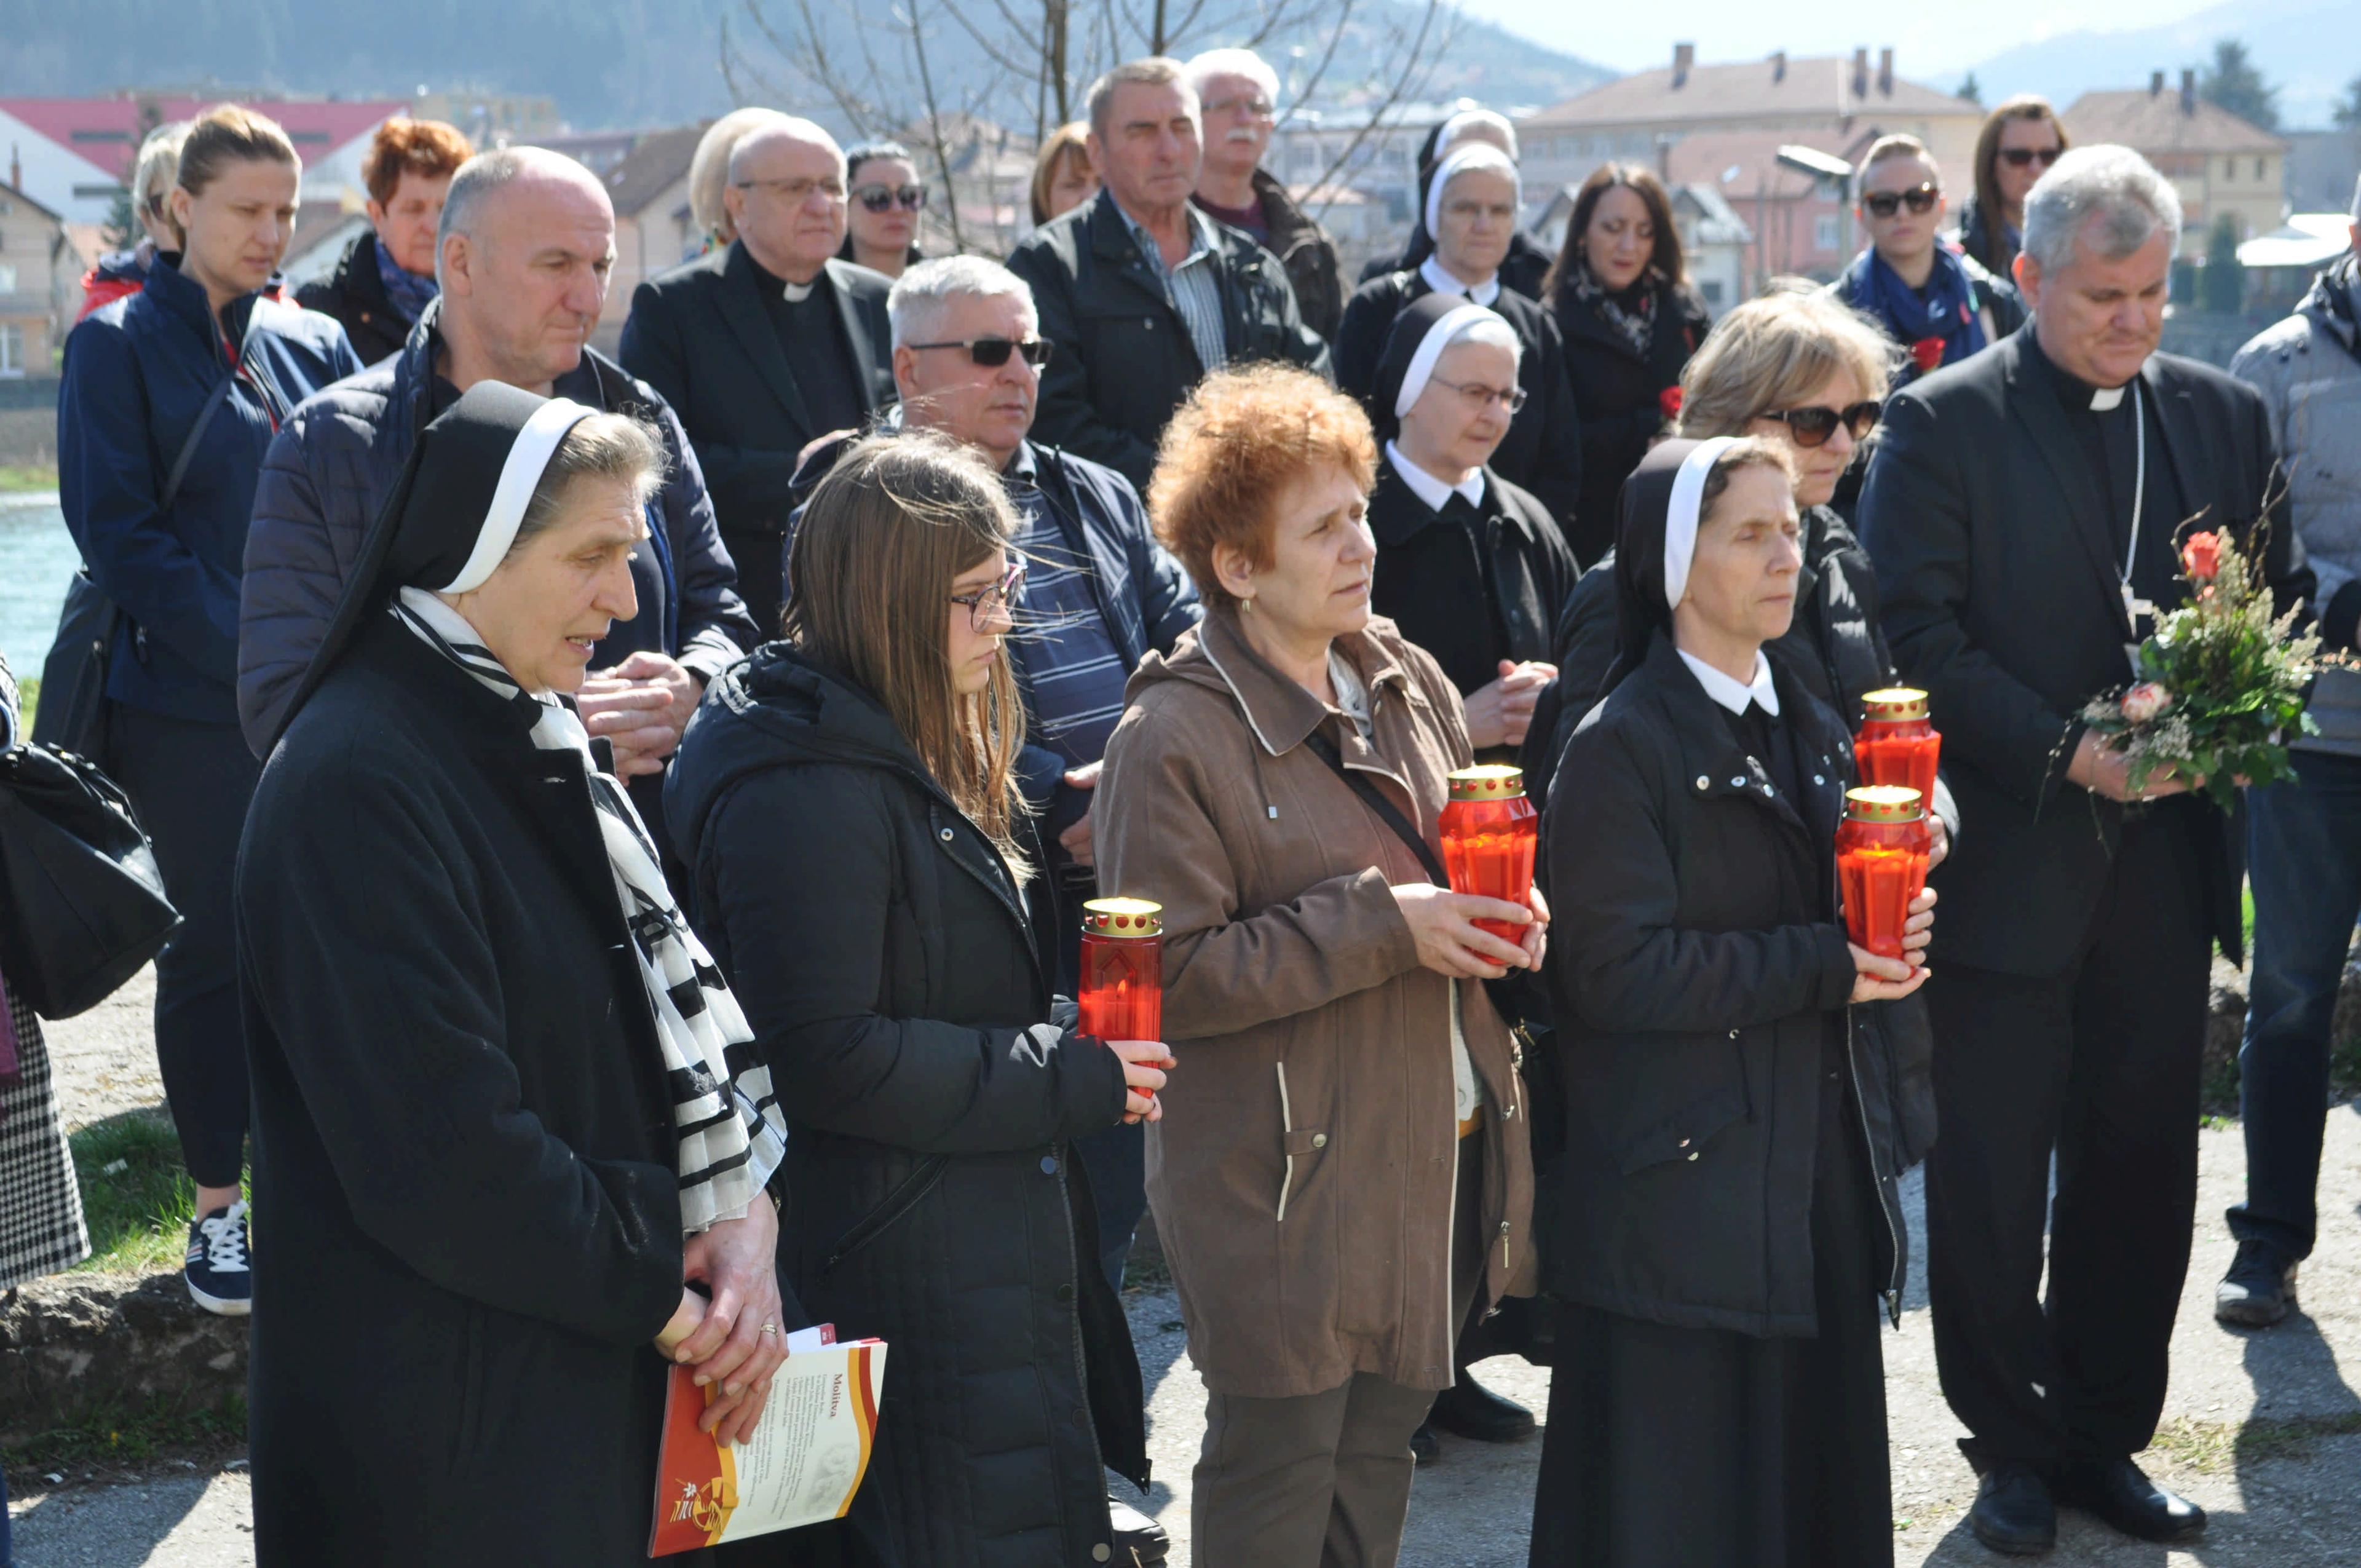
1341, 1176
386, 277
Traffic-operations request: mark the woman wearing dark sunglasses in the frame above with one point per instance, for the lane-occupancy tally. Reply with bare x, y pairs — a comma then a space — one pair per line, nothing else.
2018, 143
884, 199
1934, 300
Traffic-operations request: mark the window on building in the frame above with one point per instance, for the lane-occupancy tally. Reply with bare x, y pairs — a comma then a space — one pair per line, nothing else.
7, 279
1709, 289
12, 349
1824, 231
2259, 169
96, 193
97, 135
2229, 170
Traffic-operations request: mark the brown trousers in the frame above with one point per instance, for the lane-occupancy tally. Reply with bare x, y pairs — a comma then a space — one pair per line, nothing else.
1325, 1478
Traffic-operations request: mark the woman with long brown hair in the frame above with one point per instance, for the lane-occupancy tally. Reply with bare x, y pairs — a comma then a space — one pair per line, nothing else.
846, 799
2019, 141
1620, 290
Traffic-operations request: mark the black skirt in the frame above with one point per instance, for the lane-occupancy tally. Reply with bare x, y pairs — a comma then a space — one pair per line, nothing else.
1684, 1445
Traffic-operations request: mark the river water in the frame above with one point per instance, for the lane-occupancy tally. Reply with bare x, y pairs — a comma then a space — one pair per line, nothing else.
37, 560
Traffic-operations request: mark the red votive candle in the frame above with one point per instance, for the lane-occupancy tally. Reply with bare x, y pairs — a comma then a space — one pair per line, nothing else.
1489, 833
1881, 850
1896, 745
1122, 990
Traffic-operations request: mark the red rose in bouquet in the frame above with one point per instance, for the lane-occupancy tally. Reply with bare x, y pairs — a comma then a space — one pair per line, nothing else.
2220, 683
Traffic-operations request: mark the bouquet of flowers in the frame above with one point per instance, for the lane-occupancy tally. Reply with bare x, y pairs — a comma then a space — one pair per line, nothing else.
2220, 682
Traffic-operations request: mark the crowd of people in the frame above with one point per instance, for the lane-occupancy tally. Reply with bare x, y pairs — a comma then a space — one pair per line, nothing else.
633, 818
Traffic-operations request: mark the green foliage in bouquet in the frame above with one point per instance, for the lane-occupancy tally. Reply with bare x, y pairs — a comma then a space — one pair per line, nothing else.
2220, 683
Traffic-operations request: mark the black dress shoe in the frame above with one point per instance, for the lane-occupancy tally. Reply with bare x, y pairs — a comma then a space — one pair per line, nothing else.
2258, 1290
1139, 1541
1425, 1446
1469, 1409
2014, 1513
2119, 1492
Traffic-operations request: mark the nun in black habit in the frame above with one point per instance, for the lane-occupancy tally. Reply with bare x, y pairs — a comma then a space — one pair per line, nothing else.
1470, 567
1471, 206
1727, 1218
504, 1108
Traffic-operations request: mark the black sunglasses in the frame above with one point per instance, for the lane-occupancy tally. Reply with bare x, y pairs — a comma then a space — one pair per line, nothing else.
877, 198
992, 352
1813, 426
2025, 156
1886, 203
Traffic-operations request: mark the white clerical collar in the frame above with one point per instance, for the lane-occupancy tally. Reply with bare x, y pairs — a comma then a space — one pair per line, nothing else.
2105, 398
1443, 282
1434, 492
796, 293
1736, 695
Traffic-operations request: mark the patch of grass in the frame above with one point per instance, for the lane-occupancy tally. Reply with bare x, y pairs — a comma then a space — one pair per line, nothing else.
29, 476
124, 1436
2207, 1447
28, 698
136, 1195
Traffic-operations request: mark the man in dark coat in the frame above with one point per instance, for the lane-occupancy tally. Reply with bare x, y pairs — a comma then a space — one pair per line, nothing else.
1142, 294
385, 279
1237, 93
2022, 508
767, 345
517, 312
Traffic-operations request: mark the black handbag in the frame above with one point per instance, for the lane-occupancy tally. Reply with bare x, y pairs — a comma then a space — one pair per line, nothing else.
82, 905
72, 713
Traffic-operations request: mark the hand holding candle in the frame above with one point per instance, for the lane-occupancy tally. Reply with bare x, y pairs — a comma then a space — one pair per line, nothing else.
1122, 993
1489, 833
1897, 745
1882, 850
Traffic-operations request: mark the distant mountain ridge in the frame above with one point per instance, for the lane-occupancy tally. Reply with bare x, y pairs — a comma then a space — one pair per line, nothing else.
607, 62
2308, 49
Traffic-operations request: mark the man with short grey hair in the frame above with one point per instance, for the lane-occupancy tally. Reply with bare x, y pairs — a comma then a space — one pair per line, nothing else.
768, 344
2304, 836
1143, 293
526, 242
1237, 97
2024, 508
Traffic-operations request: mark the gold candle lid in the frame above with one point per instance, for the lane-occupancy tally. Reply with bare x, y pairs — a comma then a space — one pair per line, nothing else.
1883, 803
1895, 705
1123, 918
1492, 781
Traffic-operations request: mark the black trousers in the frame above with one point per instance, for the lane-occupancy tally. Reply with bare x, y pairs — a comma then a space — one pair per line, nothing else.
2099, 1061
189, 784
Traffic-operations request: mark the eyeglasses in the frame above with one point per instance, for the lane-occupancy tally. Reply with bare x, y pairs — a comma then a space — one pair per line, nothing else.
877, 198
992, 352
2026, 157
1480, 397
1813, 426
1253, 108
1886, 203
794, 192
986, 603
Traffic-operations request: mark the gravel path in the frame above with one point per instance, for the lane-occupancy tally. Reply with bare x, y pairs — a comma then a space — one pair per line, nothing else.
2286, 1492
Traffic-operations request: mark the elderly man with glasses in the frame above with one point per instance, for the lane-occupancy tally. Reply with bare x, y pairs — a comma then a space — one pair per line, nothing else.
1937, 302
767, 345
1237, 94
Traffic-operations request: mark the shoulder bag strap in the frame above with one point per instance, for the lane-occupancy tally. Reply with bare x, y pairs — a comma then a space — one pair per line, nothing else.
188, 453
1388, 813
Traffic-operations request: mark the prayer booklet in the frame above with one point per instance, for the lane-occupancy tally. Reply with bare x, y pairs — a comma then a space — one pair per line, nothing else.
801, 1464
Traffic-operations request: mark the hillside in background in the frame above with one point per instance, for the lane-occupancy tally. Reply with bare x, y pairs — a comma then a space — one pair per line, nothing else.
2307, 48
607, 62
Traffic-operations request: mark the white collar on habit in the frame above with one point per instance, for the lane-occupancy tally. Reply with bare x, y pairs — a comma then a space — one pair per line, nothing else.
1430, 489
1443, 282
1735, 694
2105, 398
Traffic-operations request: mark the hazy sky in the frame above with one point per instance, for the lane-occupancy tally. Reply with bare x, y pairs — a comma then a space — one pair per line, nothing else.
1930, 42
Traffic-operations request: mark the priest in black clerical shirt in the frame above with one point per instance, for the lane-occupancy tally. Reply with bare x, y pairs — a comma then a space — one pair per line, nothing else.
2022, 508
765, 346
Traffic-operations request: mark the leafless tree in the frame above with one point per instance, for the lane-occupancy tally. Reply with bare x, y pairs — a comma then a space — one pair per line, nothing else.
924, 70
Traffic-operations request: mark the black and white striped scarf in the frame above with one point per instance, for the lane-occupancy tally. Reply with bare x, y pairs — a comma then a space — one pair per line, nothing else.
732, 1136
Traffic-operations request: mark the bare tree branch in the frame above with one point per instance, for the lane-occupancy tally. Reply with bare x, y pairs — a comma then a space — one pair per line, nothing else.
1406, 84
935, 125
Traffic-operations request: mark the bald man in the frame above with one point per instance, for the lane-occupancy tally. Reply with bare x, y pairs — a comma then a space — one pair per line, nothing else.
526, 243
769, 344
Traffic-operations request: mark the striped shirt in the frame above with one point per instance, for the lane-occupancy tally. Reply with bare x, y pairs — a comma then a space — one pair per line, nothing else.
1071, 662
1195, 286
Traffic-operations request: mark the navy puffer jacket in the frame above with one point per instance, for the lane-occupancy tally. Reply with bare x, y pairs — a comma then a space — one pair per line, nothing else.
137, 374
333, 466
